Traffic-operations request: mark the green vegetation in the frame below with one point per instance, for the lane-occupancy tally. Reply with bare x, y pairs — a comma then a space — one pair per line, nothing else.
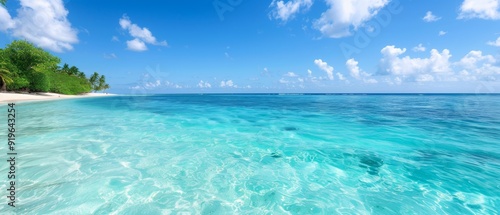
24, 67
97, 82
5, 77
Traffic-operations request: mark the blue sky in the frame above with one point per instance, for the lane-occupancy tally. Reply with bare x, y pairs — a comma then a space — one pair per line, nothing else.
207, 46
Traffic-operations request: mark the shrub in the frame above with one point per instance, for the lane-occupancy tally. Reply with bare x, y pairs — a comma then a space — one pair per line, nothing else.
39, 82
70, 85
20, 83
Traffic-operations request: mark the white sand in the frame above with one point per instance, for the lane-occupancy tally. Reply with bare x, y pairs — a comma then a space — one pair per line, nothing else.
19, 97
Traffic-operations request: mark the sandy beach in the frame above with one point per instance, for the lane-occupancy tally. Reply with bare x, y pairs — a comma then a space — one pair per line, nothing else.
20, 97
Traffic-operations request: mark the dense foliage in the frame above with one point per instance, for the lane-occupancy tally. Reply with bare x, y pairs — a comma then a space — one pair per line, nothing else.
97, 82
24, 67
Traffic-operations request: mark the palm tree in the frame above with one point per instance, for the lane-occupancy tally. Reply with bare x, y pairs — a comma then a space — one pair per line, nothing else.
94, 78
81, 75
64, 69
102, 83
105, 87
73, 71
5, 78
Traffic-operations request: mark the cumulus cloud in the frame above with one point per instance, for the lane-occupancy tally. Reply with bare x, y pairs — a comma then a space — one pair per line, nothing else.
495, 43
418, 69
352, 66
141, 35
42, 22
477, 65
6, 21
285, 11
290, 74
473, 66
340, 76
136, 45
154, 80
481, 9
325, 67
309, 73
155, 85
357, 73
312, 78
442, 33
203, 84
429, 17
343, 15
228, 83
284, 81
419, 48
424, 78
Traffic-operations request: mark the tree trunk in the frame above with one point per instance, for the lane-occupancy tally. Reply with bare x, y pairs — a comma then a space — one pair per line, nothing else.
4, 86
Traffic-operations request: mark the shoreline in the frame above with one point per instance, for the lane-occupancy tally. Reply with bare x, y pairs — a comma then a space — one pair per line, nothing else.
6, 97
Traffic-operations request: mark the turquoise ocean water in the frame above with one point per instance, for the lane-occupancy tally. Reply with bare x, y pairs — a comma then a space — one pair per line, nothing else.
257, 154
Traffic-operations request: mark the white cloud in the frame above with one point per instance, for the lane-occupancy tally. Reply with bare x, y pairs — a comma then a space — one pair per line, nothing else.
136, 45
419, 48
137, 87
110, 56
265, 72
203, 84
312, 78
290, 74
153, 80
324, 66
228, 83
473, 66
42, 22
398, 80
283, 81
6, 21
370, 81
141, 35
115, 39
442, 33
495, 43
343, 15
150, 85
424, 78
286, 11
392, 63
352, 66
482, 9
478, 65
472, 59
429, 17
341, 77
357, 73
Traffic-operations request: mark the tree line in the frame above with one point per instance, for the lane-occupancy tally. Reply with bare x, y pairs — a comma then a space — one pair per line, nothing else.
25, 67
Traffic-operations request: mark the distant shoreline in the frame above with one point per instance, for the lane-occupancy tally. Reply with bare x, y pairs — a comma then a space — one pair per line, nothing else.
21, 97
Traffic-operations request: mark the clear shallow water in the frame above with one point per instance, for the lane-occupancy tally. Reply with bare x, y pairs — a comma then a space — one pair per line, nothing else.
256, 154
